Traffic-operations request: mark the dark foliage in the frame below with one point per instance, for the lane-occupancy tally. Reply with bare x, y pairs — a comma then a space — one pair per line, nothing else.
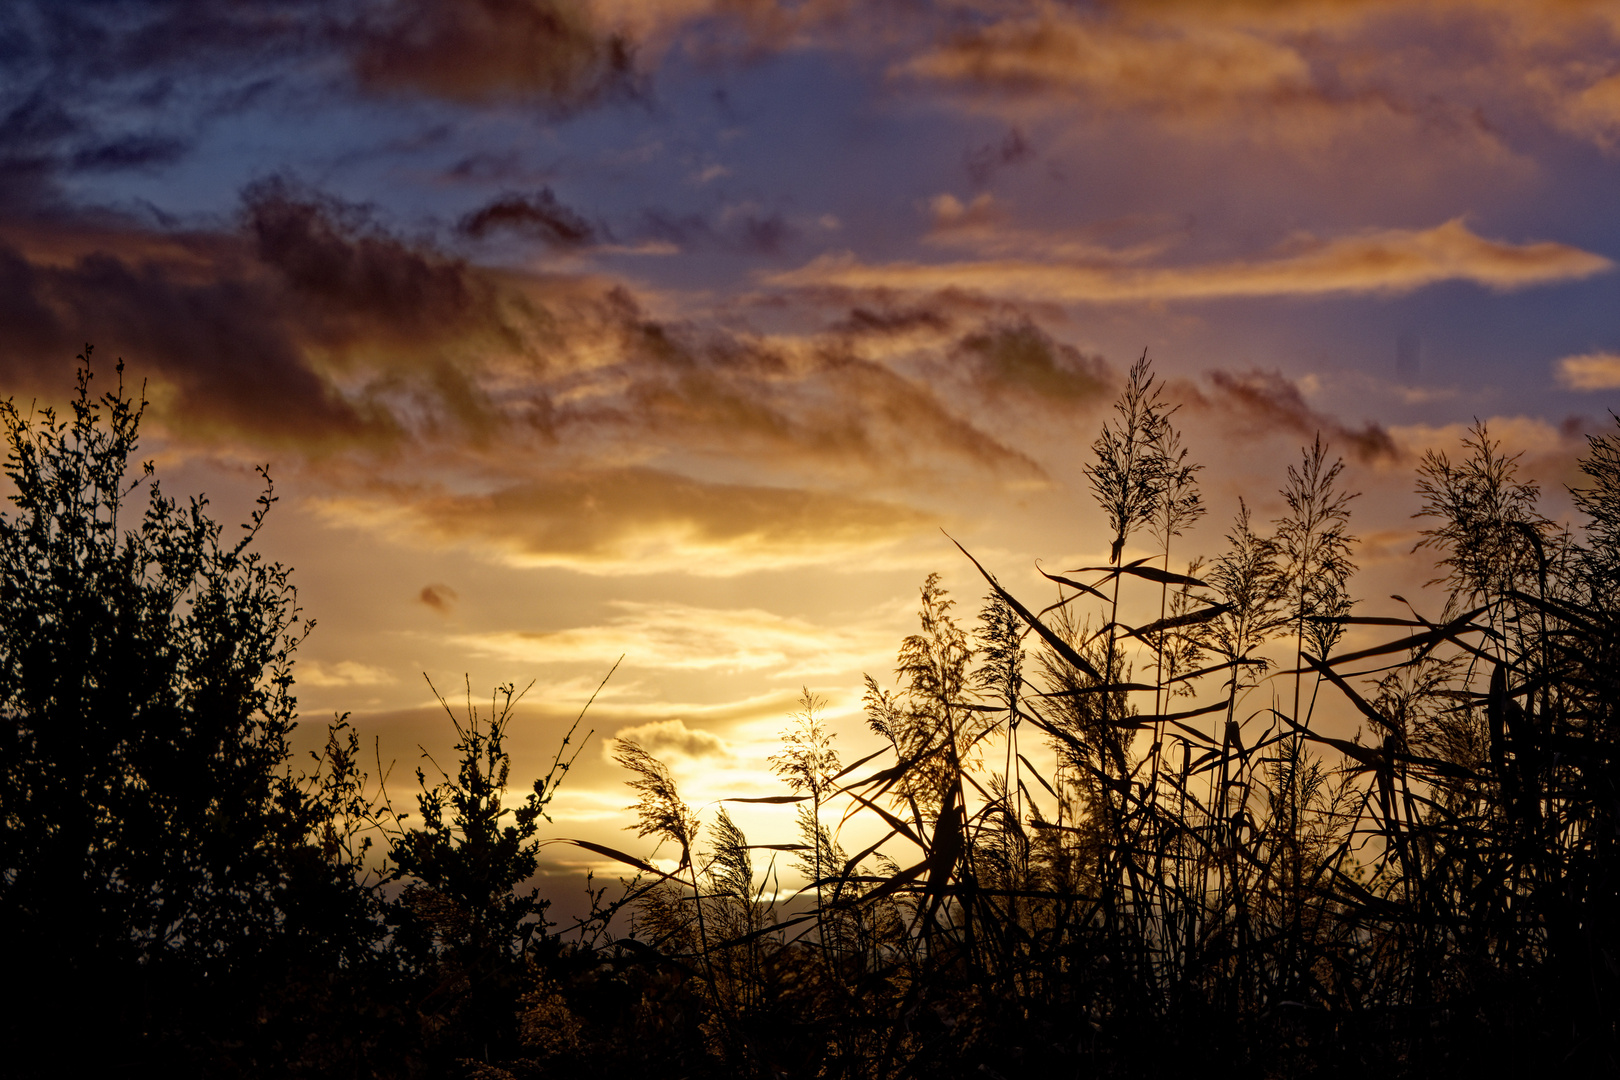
161, 863
1211, 885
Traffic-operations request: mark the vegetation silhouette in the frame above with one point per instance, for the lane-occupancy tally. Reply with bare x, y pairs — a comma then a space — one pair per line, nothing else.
1213, 884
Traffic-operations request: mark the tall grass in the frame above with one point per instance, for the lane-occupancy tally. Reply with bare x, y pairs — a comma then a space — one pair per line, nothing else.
1203, 878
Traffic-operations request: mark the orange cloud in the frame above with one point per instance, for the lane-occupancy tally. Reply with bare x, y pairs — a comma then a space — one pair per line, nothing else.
661, 738
1590, 371
1307, 74
476, 50
982, 227
1389, 261
636, 520
672, 636
342, 673
1595, 112
1187, 64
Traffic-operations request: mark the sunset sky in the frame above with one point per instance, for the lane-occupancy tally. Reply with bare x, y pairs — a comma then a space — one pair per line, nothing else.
680, 329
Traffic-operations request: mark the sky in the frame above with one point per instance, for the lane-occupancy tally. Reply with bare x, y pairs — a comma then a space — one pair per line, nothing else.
693, 331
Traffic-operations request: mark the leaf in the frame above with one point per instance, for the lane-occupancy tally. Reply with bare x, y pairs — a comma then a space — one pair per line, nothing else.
1061, 580
1137, 569
763, 931
857, 764
1033, 771
1355, 699
1191, 618
1059, 646
1366, 755
1415, 641
1100, 688
895, 883
615, 854
1172, 718
895, 823
1222, 666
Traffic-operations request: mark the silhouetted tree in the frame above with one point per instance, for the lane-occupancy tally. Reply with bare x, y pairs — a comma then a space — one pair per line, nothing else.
162, 869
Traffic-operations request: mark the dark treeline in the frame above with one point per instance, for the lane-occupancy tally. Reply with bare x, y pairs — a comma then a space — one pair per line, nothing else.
1203, 881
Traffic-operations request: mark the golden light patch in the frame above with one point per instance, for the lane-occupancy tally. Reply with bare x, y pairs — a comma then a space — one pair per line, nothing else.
682, 637
636, 520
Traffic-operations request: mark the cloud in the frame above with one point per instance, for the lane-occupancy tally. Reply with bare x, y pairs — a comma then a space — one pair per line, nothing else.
1259, 404
440, 598
637, 520
252, 331
134, 86
928, 322
482, 50
984, 227
661, 738
538, 216
129, 152
1590, 371
217, 338
1308, 75
1019, 356
670, 636
1549, 451
544, 420
1390, 261
1186, 63
1594, 111
359, 278
951, 216
342, 673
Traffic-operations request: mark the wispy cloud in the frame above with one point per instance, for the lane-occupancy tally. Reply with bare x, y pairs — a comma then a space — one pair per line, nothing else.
1389, 261
1190, 63
682, 637
341, 673
984, 227
533, 215
1262, 403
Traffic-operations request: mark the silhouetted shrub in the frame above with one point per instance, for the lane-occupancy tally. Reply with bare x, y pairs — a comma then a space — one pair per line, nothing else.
163, 872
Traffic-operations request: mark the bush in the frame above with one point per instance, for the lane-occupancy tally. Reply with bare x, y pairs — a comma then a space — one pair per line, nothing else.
162, 870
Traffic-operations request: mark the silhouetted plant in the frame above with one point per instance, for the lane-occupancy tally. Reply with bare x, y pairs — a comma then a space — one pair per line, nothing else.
162, 869
461, 912
1221, 883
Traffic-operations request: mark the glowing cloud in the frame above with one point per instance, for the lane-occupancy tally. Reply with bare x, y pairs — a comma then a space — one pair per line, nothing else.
1590, 371
636, 520
1191, 65
1389, 261
681, 637
664, 737
342, 673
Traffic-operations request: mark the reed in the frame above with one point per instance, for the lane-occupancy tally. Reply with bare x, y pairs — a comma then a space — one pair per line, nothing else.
1213, 878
